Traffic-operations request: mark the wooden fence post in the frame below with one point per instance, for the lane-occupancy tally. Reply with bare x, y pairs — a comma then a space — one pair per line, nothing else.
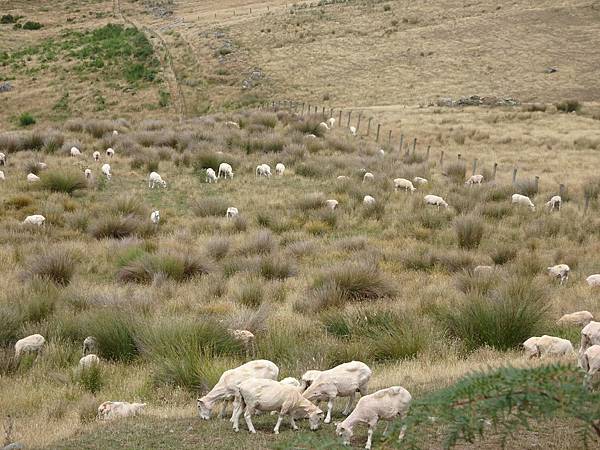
340, 119
330, 112
358, 123
401, 143
349, 115
459, 156
587, 204
302, 113
537, 184
323, 112
427, 153
369, 126
308, 109
514, 178
378, 128
389, 137
561, 190
442, 160
474, 166
494, 171
414, 146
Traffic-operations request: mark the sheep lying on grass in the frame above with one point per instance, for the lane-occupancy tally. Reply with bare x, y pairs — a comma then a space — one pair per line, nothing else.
35, 219
113, 410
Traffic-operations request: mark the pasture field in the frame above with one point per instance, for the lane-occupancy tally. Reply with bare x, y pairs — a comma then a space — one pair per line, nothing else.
390, 284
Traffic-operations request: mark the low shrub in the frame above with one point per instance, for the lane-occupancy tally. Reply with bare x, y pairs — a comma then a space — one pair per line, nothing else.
118, 227
26, 119
456, 171
250, 294
469, 231
210, 206
63, 181
568, 106
276, 268
55, 265
90, 378
503, 253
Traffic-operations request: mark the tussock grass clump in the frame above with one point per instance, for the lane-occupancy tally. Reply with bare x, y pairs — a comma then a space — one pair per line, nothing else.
456, 171
276, 268
503, 318
90, 378
113, 330
503, 253
568, 106
87, 409
499, 193
526, 187
205, 160
309, 170
210, 206
310, 202
53, 141
128, 205
26, 119
118, 227
250, 293
11, 318
217, 248
347, 283
260, 243
18, 201
263, 142
310, 125
266, 119
55, 265
428, 259
176, 267
476, 284
469, 231
374, 211
63, 181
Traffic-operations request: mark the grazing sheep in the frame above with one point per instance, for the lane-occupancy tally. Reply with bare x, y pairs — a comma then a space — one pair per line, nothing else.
90, 345
85, 362
226, 170
75, 151
474, 179
537, 347
32, 178
353, 131
2, 175
155, 179
581, 318
387, 404
227, 386
279, 169
435, 200
368, 200
110, 152
291, 381
232, 212
88, 173
269, 395
593, 280
42, 166
155, 217
331, 204
96, 156
115, 133
231, 123
590, 360
381, 152
2, 159
368, 176
324, 125
263, 170
522, 200
419, 181
554, 203
245, 337
106, 171
342, 177
559, 271
590, 335
404, 184
479, 270
308, 378
341, 381
33, 343
331, 122
36, 219
211, 176
113, 410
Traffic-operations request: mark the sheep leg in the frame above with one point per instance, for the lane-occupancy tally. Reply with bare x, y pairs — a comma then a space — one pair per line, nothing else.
348, 407
248, 416
369, 437
223, 409
293, 423
329, 408
278, 424
386, 429
237, 412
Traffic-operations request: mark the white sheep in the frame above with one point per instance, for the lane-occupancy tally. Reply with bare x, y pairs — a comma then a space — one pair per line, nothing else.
96, 156
324, 125
155, 217
2, 177
593, 280
32, 178
227, 386
36, 219
381, 152
106, 171
590, 360
522, 200
270, 395
211, 176
353, 131
279, 169
231, 123
87, 361
435, 200
75, 151
342, 177
341, 381
581, 318
311, 136
33, 343
387, 404
590, 335
368, 200
42, 165
232, 212
115, 133
404, 184
308, 378
291, 381
155, 179
331, 204
88, 173
263, 170
480, 270
2, 159
90, 345
559, 271
537, 347
555, 203
110, 152
331, 122
420, 180
113, 410
368, 176
226, 170
474, 179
